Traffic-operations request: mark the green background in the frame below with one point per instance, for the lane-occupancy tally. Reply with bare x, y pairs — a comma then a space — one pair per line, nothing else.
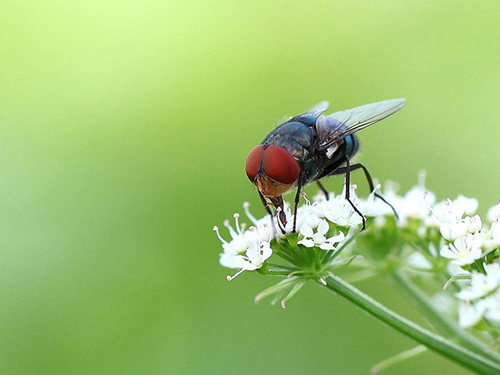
124, 127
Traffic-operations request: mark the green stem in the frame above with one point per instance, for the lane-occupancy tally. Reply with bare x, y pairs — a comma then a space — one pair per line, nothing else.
440, 321
432, 341
282, 266
398, 358
360, 276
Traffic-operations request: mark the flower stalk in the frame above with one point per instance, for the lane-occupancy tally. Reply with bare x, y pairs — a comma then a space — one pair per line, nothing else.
440, 321
436, 343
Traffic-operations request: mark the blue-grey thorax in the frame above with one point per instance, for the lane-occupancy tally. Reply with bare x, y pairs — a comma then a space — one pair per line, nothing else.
299, 140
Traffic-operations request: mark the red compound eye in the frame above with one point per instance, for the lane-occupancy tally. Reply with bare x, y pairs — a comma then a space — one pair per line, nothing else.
280, 165
253, 162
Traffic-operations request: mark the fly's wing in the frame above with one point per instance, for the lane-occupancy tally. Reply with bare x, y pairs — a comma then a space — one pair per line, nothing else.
317, 110
332, 128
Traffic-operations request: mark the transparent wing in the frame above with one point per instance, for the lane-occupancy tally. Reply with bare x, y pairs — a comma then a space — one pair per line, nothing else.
334, 127
318, 108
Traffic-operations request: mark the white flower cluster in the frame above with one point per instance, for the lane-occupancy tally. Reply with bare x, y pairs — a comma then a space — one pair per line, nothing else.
248, 249
474, 248
470, 246
448, 231
481, 298
324, 224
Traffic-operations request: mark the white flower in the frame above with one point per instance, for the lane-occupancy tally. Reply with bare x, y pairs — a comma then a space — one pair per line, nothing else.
470, 314
451, 231
481, 284
474, 224
464, 250
492, 308
257, 253
239, 241
495, 232
318, 239
343, 215
454, 270
444, 302
481, 298
390, 194
308, 214
490, 239
494, 213
264, 226
419, 261
448, 212
338, 210
376, 207
417, 202
468, 205
246, 251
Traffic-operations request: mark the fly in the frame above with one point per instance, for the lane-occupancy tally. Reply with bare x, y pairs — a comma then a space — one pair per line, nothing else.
310, 146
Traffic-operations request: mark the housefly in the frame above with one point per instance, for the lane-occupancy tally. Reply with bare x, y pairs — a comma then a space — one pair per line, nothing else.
311, 146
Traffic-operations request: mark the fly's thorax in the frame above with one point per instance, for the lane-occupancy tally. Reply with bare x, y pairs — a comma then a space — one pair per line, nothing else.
294, 136
306, 119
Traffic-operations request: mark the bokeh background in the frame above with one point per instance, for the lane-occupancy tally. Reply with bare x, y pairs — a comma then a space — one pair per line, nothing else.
124, 127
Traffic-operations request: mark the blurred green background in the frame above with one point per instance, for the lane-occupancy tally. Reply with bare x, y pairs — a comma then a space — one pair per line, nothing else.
124, 127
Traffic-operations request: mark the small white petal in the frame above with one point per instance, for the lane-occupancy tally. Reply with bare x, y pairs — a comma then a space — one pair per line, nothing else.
446, 252
306, 242
306, 230
469, 315
452, 231
318, 238
494, 213
323, 227
338, 238
417, 260
327, 246
468, 205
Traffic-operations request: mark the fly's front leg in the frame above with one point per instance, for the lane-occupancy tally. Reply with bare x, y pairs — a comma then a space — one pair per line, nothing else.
265, 204
297, 197
348, 191
270, 212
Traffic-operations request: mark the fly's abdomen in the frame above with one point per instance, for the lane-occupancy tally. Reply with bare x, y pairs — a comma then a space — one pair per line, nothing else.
351, 145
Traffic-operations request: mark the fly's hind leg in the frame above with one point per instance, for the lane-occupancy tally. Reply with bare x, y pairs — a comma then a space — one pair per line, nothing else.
368, 179
348, 190
323, 189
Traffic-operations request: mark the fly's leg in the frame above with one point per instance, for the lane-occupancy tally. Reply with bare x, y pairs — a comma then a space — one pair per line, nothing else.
327, 195
369, 180
281, 220
297, 197
270, 212
348, 190
265, 204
